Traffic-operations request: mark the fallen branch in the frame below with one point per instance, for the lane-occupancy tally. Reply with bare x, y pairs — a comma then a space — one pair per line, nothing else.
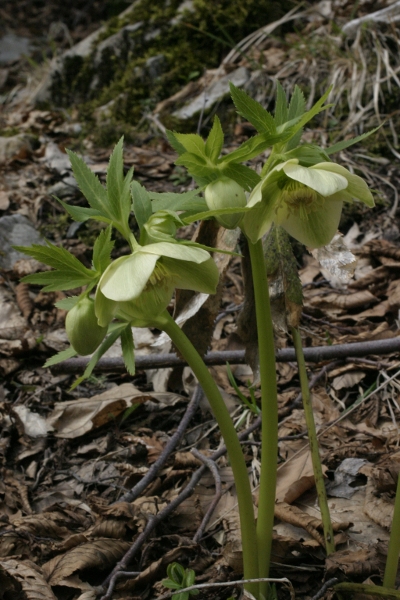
235, 357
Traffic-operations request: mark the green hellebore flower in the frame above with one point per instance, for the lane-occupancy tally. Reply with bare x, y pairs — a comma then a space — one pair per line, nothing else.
140, 286
225, 193
306, 201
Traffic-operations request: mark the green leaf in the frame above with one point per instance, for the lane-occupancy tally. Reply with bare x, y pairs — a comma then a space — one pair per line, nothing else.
125, 199
69, 271
115, 179
297, 104
102, 250
141, 203
308, 155
252, 110
177, 146
281, 110
197, 166
172, 585
128, 349
114, 333
215, 141
314, 110
192, 142
189, 577
60, 357
181, 596
173, 201
82, 213
207, 214
243, 175
252, 147
67, 303
90, 186
346, 143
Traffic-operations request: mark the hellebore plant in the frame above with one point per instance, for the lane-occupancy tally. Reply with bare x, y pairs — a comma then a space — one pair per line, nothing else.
299, 189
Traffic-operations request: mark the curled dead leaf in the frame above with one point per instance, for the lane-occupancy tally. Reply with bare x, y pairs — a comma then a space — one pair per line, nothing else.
22, 575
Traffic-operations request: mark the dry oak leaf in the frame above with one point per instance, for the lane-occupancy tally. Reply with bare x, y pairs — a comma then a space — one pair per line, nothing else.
101, 554
29, 579
359, 563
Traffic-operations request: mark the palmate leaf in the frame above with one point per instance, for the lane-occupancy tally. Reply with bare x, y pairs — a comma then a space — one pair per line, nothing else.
281, 109
252, 110
253, 146
297, 104
173, 201
215, 141
192, 142
244, 176
90, 186
176, 145
102, 250
60, 357
141, 203
197, 167
347, 143
115, 179
128, 349
69, 271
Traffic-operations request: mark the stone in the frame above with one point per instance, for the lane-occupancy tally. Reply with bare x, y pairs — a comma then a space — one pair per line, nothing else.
214, 92
15, 230
16, 146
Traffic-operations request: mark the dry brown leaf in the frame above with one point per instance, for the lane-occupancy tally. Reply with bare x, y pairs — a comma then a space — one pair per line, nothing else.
347, 380
393, 293
295, 516
344, 301
353, 563
101, 554
31, 580
295, 477
76, 417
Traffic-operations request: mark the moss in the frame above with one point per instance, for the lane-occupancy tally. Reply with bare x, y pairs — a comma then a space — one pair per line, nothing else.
199, 40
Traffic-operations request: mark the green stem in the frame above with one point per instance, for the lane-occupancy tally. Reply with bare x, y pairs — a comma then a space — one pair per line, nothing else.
234, 449
392, 560
313, 441
269, 411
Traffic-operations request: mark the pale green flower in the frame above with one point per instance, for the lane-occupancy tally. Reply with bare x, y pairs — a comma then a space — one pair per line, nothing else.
306, 201
139, 287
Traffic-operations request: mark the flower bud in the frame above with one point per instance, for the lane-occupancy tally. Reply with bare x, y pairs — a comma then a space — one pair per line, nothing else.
83, 331
226, 193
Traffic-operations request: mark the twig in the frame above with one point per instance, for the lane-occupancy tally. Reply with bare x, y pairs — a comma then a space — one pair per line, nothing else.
168, 449
325, 587
210, 464
111, 580
159, 361
200, 586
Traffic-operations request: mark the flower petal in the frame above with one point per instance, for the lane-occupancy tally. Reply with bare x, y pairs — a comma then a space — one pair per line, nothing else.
257, 221
127, 276
202, 277
318, 228
104, 309
177, 251
322, 181
357, 187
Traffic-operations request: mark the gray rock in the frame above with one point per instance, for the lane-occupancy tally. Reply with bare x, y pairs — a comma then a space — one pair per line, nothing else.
65, 188
12, 47
214, 92
15, 230
155, 66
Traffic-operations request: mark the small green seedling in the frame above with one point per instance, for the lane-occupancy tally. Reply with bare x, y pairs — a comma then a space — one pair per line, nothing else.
180, 578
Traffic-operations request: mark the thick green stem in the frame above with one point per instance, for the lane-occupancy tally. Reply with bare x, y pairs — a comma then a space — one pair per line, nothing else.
392, 560
313, 441
234, 449
269, 411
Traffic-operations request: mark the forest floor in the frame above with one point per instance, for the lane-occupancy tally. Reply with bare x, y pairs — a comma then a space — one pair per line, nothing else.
68, 457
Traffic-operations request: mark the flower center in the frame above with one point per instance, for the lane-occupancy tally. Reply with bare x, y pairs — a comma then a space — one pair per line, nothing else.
299, 199
158, 276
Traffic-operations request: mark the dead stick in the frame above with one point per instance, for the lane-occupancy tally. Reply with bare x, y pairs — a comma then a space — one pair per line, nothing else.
167, 450
159, 361
210, 464
111, 580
